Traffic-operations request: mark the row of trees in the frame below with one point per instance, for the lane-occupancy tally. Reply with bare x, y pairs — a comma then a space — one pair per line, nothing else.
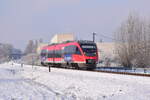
32, 46
30, 54
8, 52
5, 52
133, 42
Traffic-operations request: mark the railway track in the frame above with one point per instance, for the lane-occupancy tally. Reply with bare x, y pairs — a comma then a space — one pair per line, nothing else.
106, 71
124, 73
112, 72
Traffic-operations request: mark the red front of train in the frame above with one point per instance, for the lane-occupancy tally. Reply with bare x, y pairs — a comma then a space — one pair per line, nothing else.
75, 54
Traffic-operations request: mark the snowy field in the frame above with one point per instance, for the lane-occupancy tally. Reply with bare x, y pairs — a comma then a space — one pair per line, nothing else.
36, 83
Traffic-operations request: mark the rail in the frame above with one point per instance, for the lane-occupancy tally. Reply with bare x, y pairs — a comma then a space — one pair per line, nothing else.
115, 70
125, 72
119, 71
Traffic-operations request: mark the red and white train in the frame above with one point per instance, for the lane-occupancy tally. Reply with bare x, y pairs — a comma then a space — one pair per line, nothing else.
76, 54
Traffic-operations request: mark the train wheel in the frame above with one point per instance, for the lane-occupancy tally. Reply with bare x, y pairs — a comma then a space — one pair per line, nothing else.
76, 66
67, 65
73, 65
92, 68
89, 69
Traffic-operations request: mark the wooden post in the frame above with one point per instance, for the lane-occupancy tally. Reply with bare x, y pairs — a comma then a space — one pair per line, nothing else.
49, 68
21, 64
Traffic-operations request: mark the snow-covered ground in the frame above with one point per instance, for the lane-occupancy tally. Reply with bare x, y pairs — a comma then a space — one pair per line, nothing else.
36, 83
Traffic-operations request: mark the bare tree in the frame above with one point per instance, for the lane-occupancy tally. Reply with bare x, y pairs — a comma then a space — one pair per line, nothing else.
31, 54
35, 46
132, 42
30, 47
5, 52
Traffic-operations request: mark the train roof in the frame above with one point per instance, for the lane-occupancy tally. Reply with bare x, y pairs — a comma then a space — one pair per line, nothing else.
79, 41
85, 42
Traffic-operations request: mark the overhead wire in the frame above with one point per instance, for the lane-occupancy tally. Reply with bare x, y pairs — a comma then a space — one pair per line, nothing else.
108, 37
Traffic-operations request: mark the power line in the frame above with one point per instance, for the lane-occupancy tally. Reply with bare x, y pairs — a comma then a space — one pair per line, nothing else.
108, 37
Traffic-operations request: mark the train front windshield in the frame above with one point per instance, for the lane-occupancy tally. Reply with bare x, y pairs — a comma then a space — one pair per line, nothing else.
89, 49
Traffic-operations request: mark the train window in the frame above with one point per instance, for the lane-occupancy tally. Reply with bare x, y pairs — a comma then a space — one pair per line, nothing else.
58, 53
70, 49
89, 49
54, 54
43, 53
51, 54
66, 50
78, 51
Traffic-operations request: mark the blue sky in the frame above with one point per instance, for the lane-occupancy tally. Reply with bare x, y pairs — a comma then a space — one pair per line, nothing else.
22, 20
